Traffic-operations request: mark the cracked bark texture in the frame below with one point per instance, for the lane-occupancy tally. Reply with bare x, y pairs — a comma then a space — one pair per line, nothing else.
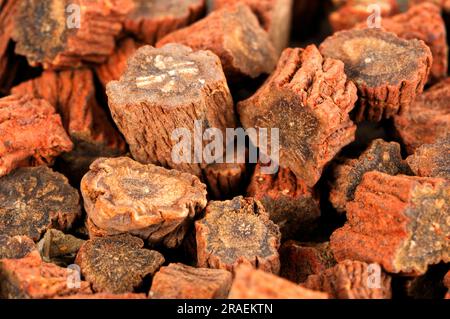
308, 99
388, 71
13, 247
116, 64
400, 222
117, 264
151, 20
423, 22
47, 33
31, 278
299, 260
275, 16
35, 199
350, 280
235, 36
380, 156
173, 88
250, 283
428, 119
353, 12
178, 281
235, 232
31, 133
72, 93
289, 202
8, 66
432, 160
151, 202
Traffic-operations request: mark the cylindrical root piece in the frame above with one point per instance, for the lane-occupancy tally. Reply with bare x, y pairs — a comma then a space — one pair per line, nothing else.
250, 283
151, 20
289, 202
225, 179
83, 118
423, 22
380, 156
30, 133
432, 160
181, 93
35, 199
178, 281
399, 222
65, 33
235, 232
428, 119
352, 280
151, 202
388, 71
234, 34
117, 264
275, 17
307, 99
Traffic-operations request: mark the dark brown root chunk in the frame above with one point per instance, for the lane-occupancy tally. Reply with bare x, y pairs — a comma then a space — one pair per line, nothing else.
380, 156
352, 280
31, 278
30, 133
151, 202
59, 248
234, 34
33, 200
15, 247
299, 260
178, 281
235, 232
432, 160
225, 179
250, 283
308, 99
180, 92
149, 21
289, 202
400, 222
117, 264
388, 71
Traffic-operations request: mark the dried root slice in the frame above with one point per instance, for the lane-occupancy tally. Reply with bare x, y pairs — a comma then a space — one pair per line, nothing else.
104, 295
151, 202
250, 283
275, 16
380, 156
299, 260
59, 248
30, 133
289, 202
235, 232
423, 22
66, 33
117, 264
151, 20
432, 160
352, 280
83, 118
388, 71
35, 199
181, 93
234, 34
13, 247
116, 64
178, 281
428, 119
308, 99
225, 179
443, 4
399, 222
31, 278
360, 11
8, 9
